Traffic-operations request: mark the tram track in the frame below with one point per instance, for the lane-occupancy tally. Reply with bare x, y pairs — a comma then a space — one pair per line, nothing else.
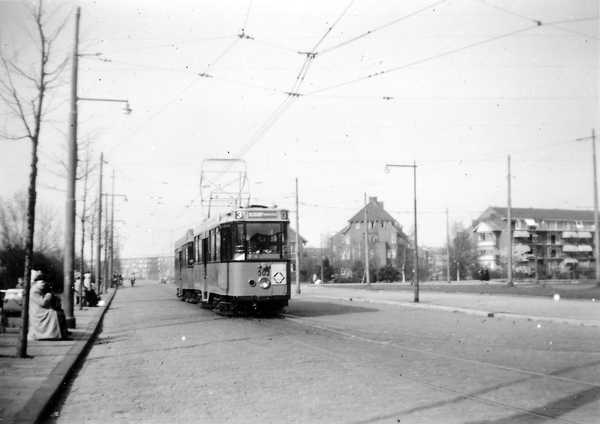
337, 330
459, 394
492, 392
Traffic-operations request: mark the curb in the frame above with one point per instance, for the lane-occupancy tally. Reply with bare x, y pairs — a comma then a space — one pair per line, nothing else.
466, 311
35, 409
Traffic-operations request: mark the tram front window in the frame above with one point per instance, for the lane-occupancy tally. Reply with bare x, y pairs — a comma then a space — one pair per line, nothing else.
264, 240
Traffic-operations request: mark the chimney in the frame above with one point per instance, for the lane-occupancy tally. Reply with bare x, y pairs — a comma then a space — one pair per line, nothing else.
374, 200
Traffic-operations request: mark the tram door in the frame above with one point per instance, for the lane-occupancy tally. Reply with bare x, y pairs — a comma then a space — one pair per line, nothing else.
204, 263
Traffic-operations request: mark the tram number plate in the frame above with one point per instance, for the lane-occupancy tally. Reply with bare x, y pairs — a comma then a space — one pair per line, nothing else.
264, 271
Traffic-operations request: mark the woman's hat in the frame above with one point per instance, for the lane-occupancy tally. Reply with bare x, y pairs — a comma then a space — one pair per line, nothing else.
40, 277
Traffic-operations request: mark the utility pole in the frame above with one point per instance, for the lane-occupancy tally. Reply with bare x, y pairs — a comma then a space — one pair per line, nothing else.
297, 252
509, 276
416, 265
596, 229
321, 240
106, 277
416, 245
112, 229
448, 246
98, 270
71, 206
366, 245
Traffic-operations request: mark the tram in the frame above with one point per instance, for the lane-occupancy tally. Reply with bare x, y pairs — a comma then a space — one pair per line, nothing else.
236, 262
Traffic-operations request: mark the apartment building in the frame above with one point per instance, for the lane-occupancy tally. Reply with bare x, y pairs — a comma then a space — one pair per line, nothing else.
386, 240
545, 242
151, 267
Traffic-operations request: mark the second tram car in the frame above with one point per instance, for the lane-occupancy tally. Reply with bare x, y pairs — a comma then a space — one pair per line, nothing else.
236, 262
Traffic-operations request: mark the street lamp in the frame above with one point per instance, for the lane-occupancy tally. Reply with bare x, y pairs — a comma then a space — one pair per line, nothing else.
414, 167
126, 109
70, 208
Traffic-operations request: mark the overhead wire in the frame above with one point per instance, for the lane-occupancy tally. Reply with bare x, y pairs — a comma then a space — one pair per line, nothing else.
322, 52
166, 45
538, 22
174, 98
438, 56
292, 96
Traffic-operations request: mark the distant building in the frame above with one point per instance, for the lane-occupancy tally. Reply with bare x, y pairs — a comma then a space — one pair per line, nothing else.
386, 239
432, 263
546, 241
148, 268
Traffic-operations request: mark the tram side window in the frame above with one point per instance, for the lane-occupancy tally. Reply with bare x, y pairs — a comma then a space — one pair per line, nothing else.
190, 253
177, 258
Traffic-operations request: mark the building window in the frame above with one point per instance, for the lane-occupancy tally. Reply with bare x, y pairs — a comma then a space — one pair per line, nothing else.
371, 225
347, 237
393, 238
357, 225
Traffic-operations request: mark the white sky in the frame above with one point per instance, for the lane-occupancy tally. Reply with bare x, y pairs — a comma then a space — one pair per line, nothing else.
466, 84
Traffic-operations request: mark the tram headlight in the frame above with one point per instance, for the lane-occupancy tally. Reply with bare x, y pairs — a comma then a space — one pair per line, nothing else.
252, 283
265, 283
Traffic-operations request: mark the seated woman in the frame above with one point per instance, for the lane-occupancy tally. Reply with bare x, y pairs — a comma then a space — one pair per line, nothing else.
46, 318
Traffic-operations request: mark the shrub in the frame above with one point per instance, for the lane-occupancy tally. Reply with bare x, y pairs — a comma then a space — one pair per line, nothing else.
388, 273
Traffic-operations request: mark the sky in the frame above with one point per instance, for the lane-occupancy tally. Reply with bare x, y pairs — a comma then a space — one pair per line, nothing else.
322, 93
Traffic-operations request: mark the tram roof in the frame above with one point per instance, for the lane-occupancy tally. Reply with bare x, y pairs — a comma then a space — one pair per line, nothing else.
244, 214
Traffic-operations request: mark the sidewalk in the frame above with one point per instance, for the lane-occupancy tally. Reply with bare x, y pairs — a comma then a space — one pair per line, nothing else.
27, 386
568, 311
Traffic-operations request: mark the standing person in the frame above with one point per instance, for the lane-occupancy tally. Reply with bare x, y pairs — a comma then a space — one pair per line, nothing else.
46, 317
87, 280
80, 291
486, 274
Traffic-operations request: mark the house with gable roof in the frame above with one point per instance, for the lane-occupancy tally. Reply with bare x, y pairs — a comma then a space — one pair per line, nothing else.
544, 241
385, 237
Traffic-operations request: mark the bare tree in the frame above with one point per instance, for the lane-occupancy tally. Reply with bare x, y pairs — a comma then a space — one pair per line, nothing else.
23, 89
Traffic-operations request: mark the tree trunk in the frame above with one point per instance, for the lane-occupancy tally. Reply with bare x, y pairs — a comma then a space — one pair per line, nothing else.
22, 348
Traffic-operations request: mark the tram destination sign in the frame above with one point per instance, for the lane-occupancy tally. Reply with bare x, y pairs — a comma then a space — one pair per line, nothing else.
263, 214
